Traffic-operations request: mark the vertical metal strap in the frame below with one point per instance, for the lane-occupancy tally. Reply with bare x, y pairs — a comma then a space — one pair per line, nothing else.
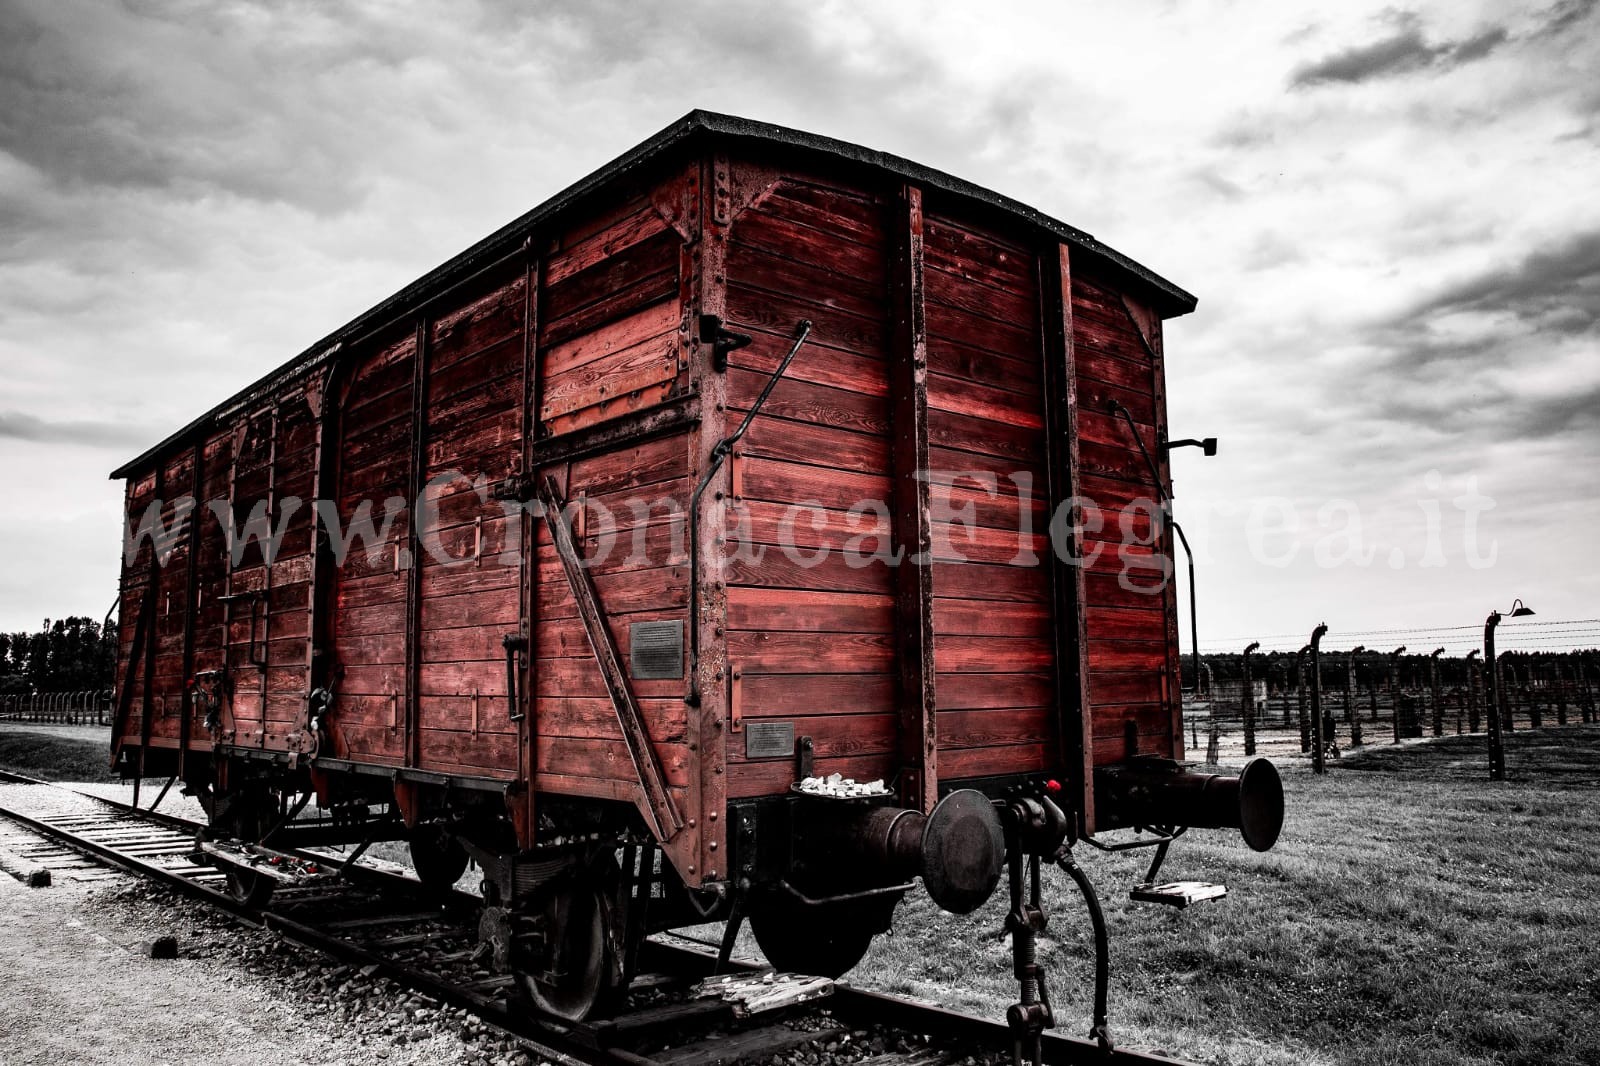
1074, 721
912, 520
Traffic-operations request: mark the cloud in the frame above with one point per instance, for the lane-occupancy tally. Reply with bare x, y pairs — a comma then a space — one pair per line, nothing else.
1574, 412
1563, 16
1553, 289
1399, 53
19, 425
193, 190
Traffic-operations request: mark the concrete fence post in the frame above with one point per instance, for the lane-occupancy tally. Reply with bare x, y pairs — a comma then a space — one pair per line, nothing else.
1350, 708
1433, 683
1529, 703
1474, 681
1300, 694
1319, 738
1249, 709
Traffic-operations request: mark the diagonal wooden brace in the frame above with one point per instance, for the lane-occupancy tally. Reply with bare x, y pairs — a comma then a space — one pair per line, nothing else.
662, 812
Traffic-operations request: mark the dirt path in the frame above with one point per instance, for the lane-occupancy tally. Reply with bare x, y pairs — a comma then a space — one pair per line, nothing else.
77, 990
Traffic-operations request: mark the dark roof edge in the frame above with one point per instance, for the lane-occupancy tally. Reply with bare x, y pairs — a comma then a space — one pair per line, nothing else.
506, 240
1176, 301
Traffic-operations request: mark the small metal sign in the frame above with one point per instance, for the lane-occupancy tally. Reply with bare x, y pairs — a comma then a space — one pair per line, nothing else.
768, 740
656, 649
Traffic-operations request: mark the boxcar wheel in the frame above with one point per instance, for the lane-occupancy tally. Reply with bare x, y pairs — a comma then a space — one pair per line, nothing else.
826, 940
249, 888
249, 819
570, 969
437, 857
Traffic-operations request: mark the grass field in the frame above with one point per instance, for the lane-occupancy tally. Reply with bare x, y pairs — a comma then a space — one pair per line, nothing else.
1412, 913
50, 755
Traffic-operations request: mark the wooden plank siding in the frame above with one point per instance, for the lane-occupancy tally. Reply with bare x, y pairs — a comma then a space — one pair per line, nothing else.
367, 653
993, 618
811, 637
474, 389
945, 342
1130, 611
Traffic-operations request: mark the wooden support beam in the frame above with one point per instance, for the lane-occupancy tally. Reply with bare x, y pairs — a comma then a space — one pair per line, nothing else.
329, 411
703, 290
1074, 720
190, 605
152, 593
525, 817
412, 735
659, 807
266, 571
626, 430
912, 518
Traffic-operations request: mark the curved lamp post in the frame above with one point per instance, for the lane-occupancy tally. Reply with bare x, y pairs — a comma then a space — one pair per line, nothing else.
1491, 686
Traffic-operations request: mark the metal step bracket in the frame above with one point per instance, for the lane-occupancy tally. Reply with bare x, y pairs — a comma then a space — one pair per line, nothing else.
1178, 894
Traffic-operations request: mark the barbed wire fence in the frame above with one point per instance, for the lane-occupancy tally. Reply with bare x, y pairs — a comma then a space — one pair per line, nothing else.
85, 707
1385, 685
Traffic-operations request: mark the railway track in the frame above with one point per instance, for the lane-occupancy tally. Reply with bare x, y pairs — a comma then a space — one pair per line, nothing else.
390, 925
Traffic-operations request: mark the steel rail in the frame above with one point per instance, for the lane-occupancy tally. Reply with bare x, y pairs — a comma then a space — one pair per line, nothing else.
571, 1044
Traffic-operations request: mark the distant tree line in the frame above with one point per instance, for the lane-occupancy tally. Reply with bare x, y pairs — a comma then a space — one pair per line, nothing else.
66, 655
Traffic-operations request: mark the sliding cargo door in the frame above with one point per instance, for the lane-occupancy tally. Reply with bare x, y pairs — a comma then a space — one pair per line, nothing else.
609, 596
994, 648
368, 623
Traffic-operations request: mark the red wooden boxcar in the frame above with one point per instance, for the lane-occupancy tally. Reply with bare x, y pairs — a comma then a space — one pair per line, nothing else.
588, 613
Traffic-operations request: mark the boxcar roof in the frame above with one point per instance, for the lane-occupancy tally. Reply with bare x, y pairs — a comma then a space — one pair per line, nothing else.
695, 126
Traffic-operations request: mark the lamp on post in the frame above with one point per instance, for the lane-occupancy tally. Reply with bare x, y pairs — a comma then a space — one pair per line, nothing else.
1491, 686
1350, 693
1394, 687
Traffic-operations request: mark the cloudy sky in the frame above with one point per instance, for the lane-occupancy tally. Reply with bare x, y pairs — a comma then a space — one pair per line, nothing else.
1388, 211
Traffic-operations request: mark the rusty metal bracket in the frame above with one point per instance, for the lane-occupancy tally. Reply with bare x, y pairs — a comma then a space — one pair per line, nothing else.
660, 808
518, 488
722, 340
719, 455
514, 644
804, 759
